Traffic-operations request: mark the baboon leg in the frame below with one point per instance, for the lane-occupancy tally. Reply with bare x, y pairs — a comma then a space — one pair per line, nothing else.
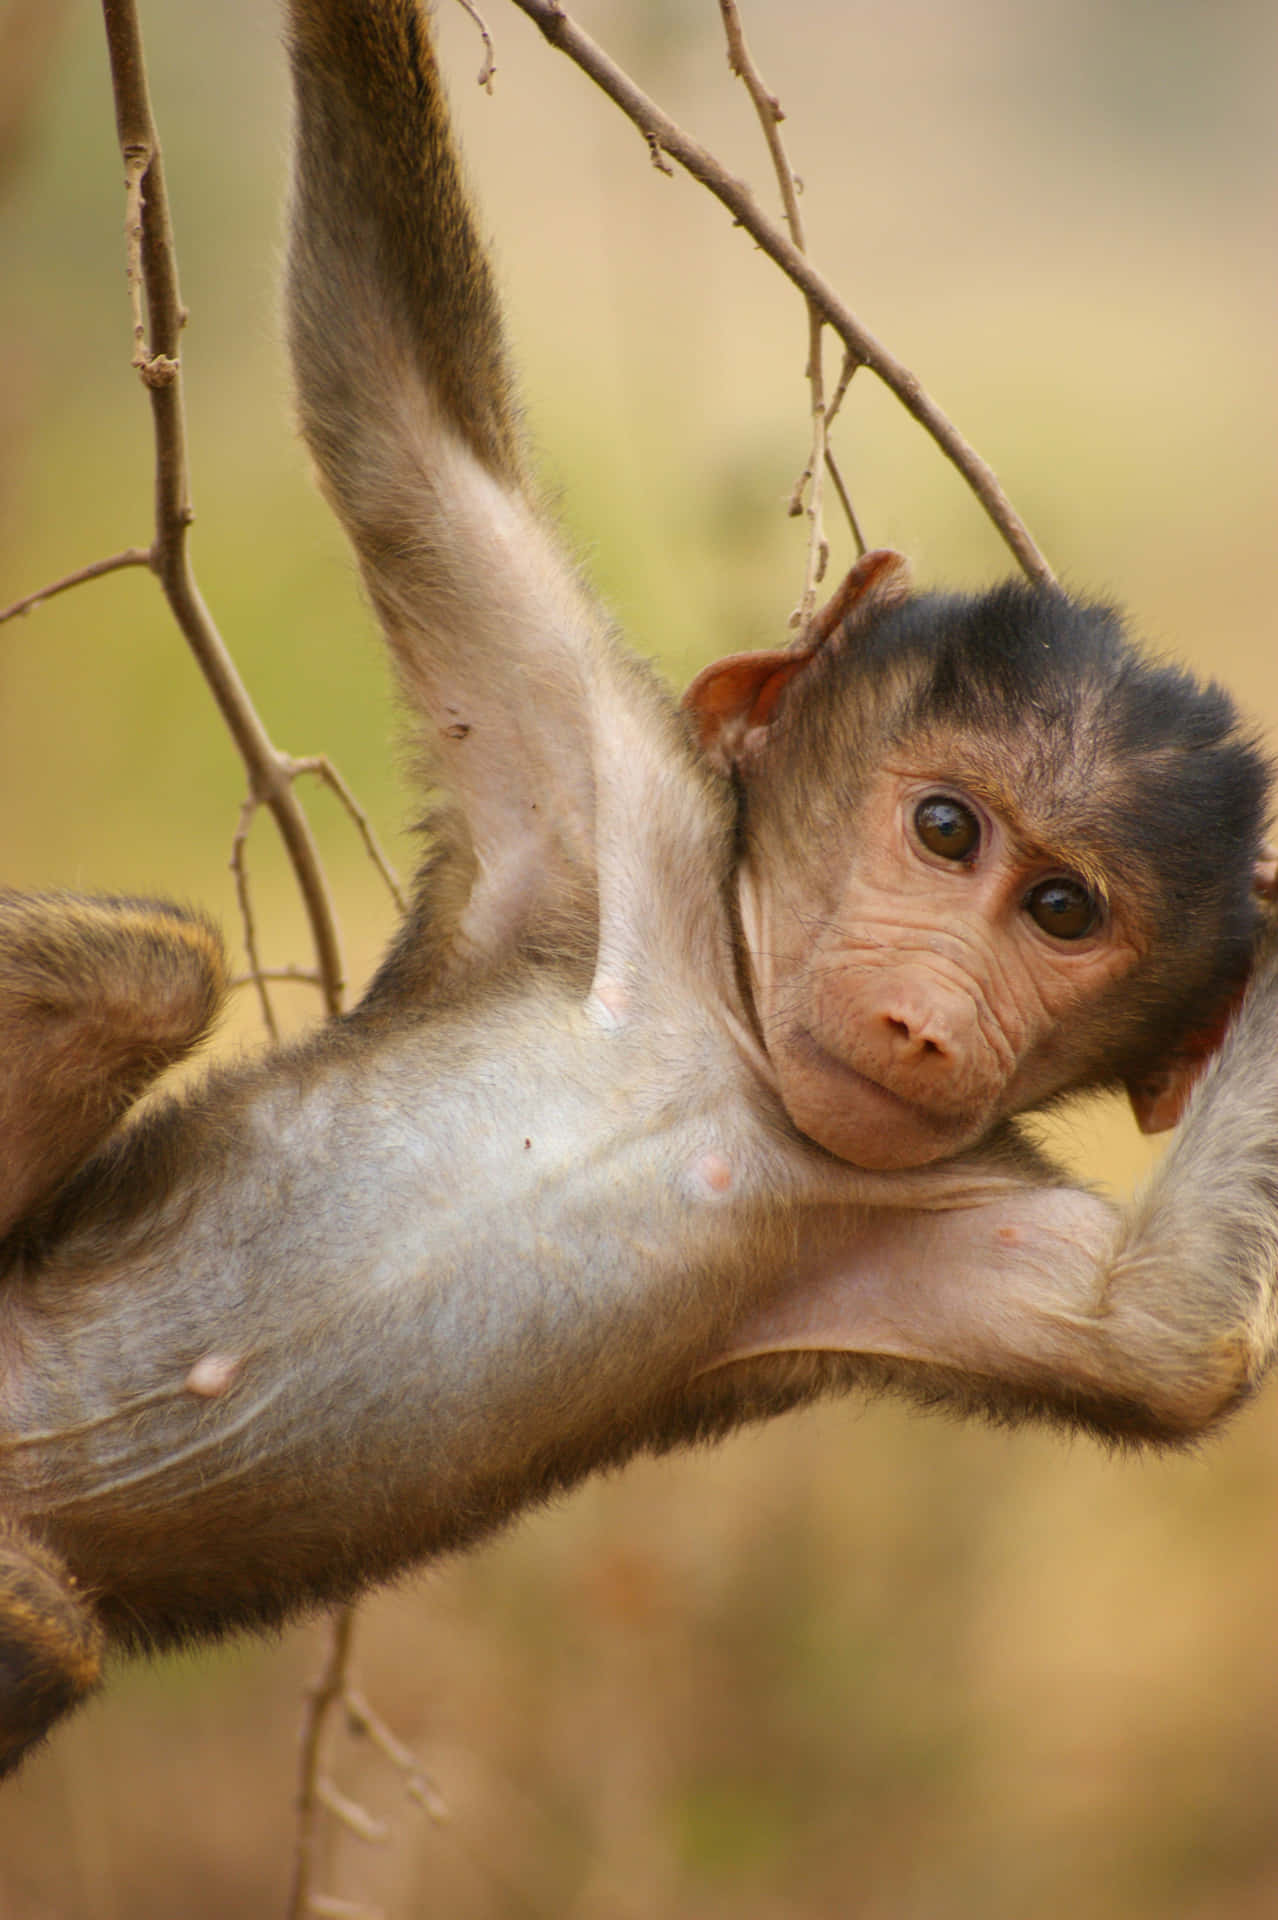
50, 1643
97, 997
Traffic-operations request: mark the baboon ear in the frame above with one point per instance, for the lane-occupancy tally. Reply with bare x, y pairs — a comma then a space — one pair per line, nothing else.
734, 700
879, 581
1159, 1099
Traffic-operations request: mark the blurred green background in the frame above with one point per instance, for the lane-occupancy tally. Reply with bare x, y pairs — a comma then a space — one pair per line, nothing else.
860, 1663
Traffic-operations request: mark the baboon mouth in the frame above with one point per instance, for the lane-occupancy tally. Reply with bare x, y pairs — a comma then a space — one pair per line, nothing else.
865, 1087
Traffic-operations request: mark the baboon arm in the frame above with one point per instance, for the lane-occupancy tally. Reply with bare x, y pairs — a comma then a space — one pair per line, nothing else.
1150, 1322
1039, 1303
406, 400
576, 792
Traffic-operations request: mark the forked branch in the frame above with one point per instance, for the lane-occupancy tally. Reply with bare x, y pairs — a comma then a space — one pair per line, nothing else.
158, 318
158, 321
812, 482
664, 136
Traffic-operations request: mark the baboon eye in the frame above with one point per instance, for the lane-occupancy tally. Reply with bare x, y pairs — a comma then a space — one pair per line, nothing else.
1063, 908
947, 827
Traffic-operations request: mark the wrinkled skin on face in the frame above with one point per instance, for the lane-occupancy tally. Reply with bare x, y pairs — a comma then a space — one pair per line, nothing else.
983, 861
926, 991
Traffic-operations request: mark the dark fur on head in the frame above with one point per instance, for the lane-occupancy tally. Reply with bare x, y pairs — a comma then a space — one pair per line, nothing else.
1144, 774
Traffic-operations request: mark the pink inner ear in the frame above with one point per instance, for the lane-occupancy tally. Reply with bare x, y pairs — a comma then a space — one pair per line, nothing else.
739, 692
736, 697
735, 684
1159, 1100
1159, 1103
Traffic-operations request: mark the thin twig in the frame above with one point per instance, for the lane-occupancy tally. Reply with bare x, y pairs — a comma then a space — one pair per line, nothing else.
316, 1792
845, 501
131, 557
280, 976
362, 1721
840, 394
768, 110
158, 312
323, 1697
662, 133
153, 271
351, 1815
489, 67
850, 365
322, 767
239, 868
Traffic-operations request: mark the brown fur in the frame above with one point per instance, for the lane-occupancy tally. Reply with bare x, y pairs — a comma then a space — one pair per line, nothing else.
97, 997
573, 1181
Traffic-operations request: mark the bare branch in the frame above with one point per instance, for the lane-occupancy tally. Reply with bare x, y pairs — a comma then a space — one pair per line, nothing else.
157, 318
327, 1692
322, 767
768, 109
158, 363
283, 976
661, 132
351, 1815
239, 868
850, 365
840, 394
131, 557
489, 68
845, 501
316, 1792
418, 1785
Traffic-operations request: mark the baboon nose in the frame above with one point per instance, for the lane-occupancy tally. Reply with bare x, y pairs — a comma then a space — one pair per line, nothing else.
904, 1038
918, 1037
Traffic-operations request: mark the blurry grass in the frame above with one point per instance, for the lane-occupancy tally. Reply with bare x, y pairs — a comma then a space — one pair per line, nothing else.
858, 1663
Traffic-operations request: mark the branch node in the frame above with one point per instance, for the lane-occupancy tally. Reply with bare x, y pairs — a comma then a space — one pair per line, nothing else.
151, 274
488, 69
552, 20
158, 371
362, 1722
656, 153
350, 1814
322, 767
568, 38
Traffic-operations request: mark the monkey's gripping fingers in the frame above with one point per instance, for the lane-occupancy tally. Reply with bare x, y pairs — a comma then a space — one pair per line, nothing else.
50, 1644
96, 998
1203, 1239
